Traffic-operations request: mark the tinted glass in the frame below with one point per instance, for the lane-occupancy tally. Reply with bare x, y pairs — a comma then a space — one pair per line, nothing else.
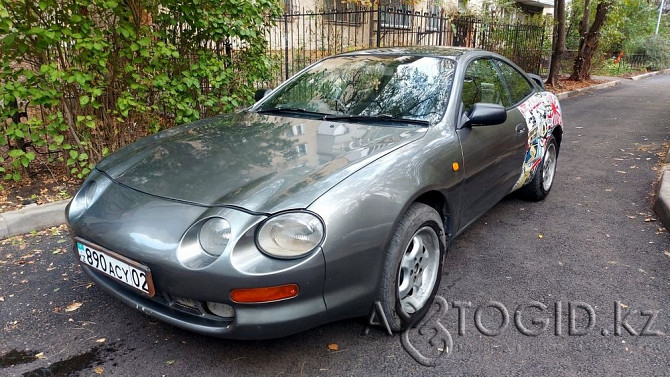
519, 87
411, 87
482, 83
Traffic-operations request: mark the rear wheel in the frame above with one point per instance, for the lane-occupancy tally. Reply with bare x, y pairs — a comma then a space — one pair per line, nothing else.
538, 188
413, 267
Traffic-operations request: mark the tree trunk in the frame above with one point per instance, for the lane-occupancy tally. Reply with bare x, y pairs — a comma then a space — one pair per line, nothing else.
558, 44
588, 43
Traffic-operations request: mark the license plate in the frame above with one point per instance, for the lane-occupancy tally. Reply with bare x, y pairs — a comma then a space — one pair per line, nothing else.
116, 266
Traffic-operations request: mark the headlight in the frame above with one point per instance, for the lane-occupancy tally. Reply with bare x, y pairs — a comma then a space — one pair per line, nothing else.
89, 192
290, 235
214, 236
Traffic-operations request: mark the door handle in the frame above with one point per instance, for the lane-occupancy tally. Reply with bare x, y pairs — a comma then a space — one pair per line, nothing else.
521, 129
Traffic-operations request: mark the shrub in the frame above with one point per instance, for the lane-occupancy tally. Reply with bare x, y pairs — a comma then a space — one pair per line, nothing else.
657, 50
101, 73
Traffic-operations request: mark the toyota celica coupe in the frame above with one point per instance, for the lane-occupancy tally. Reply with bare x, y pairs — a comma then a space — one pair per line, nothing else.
335, 194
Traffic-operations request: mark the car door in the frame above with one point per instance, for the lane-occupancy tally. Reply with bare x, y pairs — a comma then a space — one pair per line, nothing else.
492, 155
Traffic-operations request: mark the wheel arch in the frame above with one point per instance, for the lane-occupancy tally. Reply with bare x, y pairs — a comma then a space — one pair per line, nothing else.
438, 201
558, 135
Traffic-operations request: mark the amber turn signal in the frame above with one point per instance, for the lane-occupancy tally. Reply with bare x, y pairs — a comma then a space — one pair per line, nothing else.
455, 166
264, 294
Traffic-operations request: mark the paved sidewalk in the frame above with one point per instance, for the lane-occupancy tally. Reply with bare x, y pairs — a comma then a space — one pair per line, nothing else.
36, 217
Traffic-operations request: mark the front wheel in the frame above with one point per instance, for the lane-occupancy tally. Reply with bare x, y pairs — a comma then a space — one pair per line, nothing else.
538, 188
413, 267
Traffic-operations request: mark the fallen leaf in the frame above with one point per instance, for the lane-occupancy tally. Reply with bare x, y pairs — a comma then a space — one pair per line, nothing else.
624, 305
621, 172
630, 217
73, 306
333, 347
101, 340
649, 219
98, 370
665, 252
40, 356
540, 236
2, 298
170, 362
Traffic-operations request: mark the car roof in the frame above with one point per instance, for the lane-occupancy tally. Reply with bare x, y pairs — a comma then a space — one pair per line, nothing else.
441, 51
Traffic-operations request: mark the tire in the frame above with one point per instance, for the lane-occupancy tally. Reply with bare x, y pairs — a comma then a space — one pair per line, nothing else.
416, 252
538, 188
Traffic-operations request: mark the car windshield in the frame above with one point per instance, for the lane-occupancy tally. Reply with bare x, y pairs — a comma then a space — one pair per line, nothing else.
375, 86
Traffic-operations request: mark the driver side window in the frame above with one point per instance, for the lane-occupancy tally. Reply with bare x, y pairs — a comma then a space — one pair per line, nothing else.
482, 83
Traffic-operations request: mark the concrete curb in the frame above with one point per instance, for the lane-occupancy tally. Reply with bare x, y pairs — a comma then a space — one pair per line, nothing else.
662, 198
579, 91
32, 217
645, 75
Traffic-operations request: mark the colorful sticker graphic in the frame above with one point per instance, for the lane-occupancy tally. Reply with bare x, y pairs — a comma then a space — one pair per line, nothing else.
542, 113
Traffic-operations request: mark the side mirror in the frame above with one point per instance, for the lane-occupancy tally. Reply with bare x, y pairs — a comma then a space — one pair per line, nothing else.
487, 114
261, 93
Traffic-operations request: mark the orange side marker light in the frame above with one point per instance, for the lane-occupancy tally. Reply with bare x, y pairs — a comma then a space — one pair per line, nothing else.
455, 166
264, 294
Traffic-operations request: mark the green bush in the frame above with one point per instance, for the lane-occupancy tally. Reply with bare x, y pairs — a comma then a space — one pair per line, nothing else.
657, 50
99, 74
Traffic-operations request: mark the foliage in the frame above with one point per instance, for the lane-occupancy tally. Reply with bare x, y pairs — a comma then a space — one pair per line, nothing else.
657, 51
98, 74
629, 28
626, 20
612, 68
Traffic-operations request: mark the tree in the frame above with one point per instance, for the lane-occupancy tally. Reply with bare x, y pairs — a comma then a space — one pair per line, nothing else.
558, 43
588, 39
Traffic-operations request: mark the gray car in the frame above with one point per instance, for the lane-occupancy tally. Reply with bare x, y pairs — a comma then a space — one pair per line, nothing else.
334, 195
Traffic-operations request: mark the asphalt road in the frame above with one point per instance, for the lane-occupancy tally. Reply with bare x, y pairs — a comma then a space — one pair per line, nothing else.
593, 243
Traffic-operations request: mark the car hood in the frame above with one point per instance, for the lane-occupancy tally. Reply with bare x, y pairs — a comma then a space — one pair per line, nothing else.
262, 163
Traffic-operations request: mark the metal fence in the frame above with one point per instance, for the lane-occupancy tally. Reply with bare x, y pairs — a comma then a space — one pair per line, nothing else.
602, 64
302, 37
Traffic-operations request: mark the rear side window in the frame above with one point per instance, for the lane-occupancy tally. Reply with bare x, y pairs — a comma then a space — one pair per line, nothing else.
519, 87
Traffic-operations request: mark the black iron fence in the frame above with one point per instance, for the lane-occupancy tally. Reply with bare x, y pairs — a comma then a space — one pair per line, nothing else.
302, 37
602, 64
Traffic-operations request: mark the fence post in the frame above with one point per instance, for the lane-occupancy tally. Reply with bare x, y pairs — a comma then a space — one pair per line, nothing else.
541, 54
516, 41
379, 25
286, 45
441, 27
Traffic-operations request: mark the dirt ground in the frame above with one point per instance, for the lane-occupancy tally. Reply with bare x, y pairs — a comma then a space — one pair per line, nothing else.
40, 184
567, 85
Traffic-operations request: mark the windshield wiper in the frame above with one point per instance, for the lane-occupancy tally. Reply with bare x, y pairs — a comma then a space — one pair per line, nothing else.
290, 110
376, 118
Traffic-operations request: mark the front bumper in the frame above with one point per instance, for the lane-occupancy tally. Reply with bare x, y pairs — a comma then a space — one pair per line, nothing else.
152, 231
251, 321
